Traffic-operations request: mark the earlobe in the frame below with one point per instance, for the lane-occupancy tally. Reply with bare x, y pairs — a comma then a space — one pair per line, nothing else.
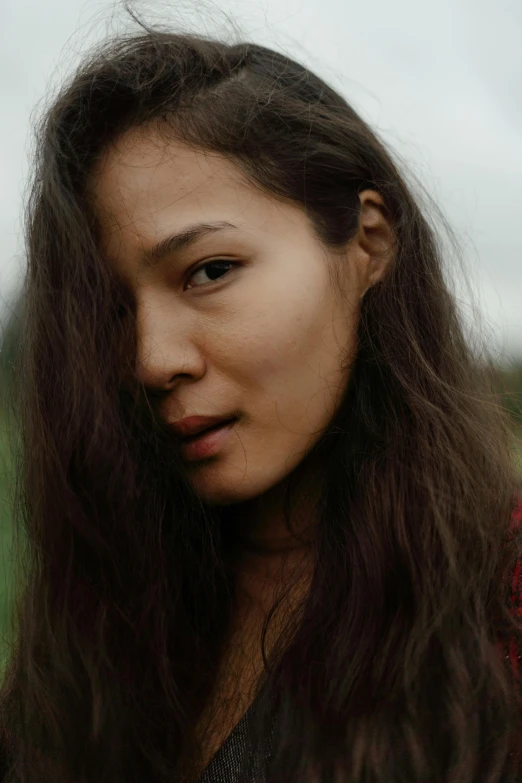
364, 292
375, 276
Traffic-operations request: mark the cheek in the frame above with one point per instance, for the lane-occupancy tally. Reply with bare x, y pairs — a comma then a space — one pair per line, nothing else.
284, 367
292, 367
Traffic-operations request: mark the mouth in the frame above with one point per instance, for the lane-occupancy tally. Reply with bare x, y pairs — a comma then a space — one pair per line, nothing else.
207, 430
209, 442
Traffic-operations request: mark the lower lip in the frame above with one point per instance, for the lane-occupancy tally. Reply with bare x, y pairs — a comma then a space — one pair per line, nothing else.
207, 444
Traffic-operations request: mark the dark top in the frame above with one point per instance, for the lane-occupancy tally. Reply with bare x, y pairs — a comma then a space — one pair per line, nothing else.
225, 765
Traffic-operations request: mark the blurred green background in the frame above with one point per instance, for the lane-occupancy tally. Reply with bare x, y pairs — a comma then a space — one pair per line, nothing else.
509, 388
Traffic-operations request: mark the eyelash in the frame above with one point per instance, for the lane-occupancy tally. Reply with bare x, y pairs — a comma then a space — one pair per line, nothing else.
216, 262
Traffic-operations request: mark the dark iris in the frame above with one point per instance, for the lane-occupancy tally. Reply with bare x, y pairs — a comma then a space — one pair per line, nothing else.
219, 264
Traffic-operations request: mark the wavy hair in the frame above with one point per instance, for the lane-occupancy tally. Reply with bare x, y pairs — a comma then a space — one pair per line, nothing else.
392, 669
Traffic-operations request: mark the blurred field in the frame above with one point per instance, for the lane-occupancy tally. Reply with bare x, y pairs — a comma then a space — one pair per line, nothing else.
5, 540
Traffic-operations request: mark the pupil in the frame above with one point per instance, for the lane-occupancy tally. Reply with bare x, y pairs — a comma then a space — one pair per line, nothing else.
221, 267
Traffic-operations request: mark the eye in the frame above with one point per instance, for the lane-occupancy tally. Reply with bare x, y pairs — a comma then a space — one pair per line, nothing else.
217, 269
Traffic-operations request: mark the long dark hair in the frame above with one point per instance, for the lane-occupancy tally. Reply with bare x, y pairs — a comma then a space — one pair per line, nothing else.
391, 671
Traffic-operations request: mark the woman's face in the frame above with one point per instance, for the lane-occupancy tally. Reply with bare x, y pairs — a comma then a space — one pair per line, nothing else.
262, 336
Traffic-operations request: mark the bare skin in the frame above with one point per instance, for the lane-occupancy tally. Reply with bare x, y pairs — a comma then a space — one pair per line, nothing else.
242, 665
267, 340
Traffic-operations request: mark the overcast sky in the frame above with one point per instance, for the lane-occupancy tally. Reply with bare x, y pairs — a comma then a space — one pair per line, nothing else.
439, 80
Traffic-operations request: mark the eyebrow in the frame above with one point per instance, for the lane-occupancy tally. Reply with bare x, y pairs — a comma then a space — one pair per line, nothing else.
182, 239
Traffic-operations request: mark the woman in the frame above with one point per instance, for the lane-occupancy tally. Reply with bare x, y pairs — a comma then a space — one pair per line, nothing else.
318, 587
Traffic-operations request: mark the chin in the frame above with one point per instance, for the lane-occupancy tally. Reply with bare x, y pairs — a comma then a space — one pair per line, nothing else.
216, 488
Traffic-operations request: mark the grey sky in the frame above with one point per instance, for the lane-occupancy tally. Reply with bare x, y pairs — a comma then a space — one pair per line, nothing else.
439, 81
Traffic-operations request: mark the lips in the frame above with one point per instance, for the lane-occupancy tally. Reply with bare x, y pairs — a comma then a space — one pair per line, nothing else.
207, 443
195, 425
215, 426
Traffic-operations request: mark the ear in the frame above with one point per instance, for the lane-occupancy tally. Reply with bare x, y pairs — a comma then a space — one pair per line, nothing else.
375, 240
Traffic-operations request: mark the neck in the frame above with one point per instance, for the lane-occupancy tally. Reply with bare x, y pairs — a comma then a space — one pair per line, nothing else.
271, 552
260, 527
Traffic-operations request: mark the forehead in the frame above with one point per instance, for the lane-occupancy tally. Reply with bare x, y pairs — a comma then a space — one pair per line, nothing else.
146, 187
143, 175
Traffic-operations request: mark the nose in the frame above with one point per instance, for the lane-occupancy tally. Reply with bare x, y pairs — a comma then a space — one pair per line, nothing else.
164, 349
